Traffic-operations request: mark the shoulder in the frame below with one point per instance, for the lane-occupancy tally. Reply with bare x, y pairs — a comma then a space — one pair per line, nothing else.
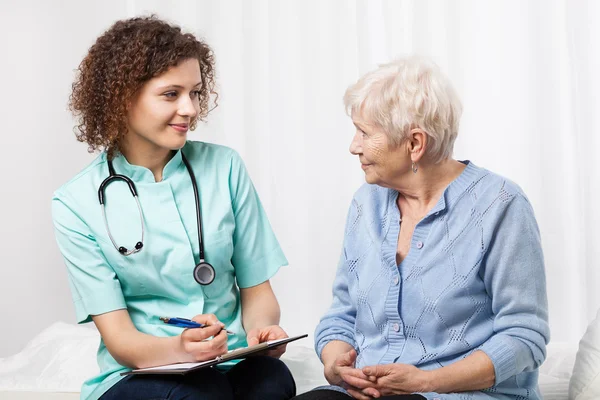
369, 209
79, 186
493, 183
371, 195
220, 163
496, 191
209, 153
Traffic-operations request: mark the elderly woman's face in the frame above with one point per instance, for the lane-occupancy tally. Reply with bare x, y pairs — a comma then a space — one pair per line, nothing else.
382, 162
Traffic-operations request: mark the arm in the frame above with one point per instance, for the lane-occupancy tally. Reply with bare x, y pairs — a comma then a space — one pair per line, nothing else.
260, 317
474, 372
135, 349
515, 280
337, 325
514, 276
334, 336
259, 307
256, 257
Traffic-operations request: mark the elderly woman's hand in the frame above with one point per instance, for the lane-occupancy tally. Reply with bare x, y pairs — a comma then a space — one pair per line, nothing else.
341, 372
393, 379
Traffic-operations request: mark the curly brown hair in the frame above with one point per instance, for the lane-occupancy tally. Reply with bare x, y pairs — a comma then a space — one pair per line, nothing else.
127, 55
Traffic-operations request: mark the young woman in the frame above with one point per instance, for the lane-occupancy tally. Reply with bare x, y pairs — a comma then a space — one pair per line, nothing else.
158, 226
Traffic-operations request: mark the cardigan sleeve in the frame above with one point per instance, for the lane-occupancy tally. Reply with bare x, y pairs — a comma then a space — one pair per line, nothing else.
514, 278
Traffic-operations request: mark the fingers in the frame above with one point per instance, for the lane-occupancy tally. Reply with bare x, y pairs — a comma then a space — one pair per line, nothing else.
275, 332
347, 359
202, 350
356, 382
352, 354
253, 337
199, 334
277, 351
372, 392
355, 377
267, 333
207, 319
376, 370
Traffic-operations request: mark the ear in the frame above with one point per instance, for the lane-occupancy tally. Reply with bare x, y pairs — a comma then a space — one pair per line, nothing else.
417, 143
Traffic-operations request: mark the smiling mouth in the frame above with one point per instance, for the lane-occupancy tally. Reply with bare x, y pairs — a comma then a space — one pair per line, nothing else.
180, 127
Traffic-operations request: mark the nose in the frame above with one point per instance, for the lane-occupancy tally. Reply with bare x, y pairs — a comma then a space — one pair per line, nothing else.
188, 107
356, 144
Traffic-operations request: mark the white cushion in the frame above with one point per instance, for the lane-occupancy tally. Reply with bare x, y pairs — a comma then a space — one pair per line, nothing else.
585, 381
556, 370
58, 359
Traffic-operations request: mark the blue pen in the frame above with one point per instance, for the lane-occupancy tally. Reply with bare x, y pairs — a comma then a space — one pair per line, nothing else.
186, 323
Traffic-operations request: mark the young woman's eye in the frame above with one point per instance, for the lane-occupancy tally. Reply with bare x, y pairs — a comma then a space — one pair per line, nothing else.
170, 95
195, 94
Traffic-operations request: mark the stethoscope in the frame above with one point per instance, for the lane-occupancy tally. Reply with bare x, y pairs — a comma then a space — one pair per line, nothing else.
204, 273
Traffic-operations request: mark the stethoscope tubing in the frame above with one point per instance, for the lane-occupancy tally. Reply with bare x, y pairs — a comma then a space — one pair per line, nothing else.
202, 267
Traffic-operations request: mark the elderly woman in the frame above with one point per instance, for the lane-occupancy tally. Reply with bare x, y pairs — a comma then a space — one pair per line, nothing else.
440, 291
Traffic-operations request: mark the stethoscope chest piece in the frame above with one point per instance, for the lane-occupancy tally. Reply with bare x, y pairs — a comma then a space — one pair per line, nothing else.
204, 273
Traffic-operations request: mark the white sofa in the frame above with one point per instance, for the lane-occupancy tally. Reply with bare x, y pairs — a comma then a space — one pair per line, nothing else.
55, 363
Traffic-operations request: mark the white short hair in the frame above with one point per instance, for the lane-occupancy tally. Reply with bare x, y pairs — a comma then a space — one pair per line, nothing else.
405, 94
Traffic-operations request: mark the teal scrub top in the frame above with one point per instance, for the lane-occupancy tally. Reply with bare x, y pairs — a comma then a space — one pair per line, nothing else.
158, 281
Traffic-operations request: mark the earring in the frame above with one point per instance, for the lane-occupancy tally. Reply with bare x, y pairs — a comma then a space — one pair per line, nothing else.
415, 168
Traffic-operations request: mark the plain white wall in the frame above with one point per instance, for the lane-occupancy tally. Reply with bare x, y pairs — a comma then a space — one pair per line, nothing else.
41, 45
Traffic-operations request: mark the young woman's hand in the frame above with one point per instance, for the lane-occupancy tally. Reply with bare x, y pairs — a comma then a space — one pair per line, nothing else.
196, 343
261, 335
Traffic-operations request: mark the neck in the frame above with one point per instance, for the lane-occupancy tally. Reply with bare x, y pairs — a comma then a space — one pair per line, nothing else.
147, 155
421, 191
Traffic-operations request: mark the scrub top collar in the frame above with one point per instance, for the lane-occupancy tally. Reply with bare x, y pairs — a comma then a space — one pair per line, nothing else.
142, 174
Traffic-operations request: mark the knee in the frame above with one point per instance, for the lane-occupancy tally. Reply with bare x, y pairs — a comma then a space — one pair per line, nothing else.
276, 376
207, 383
274, 366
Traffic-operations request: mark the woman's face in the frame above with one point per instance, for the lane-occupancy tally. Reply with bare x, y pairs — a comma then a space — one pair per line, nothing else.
382, 162
161, 112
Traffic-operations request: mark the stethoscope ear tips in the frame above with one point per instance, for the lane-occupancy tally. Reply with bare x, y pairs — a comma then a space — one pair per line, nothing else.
124, 251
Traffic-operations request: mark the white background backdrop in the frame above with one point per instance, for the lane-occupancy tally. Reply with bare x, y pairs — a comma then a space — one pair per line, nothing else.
527, 72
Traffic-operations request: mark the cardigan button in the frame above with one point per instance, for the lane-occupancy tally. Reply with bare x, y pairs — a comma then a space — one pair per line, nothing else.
419, 245
396, 327
396, 280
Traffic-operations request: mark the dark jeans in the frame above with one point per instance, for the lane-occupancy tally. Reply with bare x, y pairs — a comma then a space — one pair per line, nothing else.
326, 394
255, 378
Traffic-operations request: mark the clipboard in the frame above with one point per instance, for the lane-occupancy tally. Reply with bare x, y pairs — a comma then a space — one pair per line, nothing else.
184, 368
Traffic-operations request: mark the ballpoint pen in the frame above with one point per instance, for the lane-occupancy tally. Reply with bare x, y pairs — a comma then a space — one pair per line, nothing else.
186, 323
